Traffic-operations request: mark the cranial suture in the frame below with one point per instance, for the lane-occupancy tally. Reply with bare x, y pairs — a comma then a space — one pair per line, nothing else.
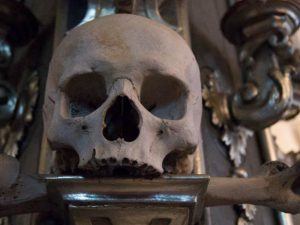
122, 98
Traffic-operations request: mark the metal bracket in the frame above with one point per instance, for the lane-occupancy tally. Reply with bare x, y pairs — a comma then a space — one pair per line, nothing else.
177, 200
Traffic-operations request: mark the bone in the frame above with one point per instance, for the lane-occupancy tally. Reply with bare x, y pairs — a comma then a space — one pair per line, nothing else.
279, 189
9, 168
27, 195
19, 193
121, 97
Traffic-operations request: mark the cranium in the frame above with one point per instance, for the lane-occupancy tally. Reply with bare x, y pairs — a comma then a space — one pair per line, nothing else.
123, 97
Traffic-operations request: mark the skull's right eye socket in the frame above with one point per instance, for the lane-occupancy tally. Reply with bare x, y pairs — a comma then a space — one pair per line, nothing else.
84, 94
164, 96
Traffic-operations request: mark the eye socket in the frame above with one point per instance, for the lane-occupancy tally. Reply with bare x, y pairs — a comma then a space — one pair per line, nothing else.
164, 96
84, 94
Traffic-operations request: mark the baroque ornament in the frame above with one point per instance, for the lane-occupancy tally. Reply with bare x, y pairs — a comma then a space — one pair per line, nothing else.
234, 136
269, 62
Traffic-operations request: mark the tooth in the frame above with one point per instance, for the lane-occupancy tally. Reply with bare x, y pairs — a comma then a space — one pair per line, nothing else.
144, 166
125, 161
94, 164
112, 161
134, 163
103, 162
150, 168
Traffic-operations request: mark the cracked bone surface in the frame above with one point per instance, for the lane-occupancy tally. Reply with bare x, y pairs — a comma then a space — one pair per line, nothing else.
123, 98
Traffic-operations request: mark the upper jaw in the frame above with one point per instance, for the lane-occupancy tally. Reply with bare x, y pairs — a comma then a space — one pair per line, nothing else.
105, 167
112, 167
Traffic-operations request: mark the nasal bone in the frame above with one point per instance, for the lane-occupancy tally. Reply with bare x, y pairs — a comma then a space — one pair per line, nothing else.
123, 87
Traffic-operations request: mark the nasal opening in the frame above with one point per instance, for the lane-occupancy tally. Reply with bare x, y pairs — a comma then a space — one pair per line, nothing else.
121, 120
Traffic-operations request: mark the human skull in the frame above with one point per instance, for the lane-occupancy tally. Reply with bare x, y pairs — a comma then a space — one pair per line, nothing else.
123, 98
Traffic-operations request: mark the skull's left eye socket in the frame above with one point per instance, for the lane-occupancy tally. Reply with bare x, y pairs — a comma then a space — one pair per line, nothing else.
83, 94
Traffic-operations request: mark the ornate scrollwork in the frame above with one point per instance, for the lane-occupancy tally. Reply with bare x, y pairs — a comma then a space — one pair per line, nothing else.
264, 39
233, 136
258, 106
262, 31
12, 130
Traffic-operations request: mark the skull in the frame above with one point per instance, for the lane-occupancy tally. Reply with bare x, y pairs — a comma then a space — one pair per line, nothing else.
123, 98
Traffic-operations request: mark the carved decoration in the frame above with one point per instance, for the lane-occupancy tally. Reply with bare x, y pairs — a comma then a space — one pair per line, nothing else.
233, 136
266, 93
265, 45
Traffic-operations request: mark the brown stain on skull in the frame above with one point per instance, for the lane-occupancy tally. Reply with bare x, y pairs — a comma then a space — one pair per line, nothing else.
113, 45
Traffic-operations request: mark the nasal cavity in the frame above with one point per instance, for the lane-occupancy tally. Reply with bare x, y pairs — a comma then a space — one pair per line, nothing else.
121, 120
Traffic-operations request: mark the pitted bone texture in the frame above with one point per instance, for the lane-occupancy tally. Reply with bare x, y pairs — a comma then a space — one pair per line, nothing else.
123, 87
